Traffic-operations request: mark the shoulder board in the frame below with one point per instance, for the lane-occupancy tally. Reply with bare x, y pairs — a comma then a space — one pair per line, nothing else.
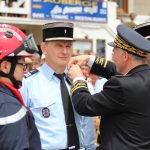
30, 73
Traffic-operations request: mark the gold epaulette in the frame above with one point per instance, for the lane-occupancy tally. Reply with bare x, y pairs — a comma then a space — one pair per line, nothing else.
101, 61
77, 85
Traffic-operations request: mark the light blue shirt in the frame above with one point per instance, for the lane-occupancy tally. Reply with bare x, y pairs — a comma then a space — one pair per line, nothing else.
42, 90
99, 84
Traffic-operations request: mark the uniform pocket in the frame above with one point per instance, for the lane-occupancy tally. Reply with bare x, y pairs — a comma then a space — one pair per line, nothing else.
44, 108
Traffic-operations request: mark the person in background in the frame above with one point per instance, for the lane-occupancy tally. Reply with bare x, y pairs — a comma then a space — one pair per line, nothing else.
144, 30
85, 69
28, 61
97, 82
123, 106
33, 62
42, 59
36, 61
17, 126
42, 94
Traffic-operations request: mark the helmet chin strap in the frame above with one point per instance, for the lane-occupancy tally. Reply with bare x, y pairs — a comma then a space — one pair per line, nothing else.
10, 75
17, 84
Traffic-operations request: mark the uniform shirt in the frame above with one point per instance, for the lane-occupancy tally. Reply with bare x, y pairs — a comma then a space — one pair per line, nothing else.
99, 85
41, 93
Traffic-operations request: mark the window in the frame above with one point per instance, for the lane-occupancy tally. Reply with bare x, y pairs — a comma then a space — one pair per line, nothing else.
122, 6
82, 46
101, 48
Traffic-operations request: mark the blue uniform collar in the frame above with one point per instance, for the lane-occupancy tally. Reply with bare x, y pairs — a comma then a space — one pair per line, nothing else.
48, 71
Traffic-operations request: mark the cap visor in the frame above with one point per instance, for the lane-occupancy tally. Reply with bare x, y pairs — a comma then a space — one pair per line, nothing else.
112, 44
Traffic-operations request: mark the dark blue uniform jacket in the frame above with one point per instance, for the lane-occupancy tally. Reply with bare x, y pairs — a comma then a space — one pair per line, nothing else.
124, 107
17, 127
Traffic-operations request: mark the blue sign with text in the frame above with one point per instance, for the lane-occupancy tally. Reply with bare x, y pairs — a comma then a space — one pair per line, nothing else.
73, 10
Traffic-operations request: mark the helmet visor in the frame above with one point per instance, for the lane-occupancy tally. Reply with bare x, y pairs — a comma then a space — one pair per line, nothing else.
30, 45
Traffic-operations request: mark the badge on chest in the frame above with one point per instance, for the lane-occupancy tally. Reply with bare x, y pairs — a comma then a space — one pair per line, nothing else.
45, 112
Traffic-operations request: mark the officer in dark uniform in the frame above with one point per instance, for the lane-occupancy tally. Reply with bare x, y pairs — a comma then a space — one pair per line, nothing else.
124, 102
108, 68
17, 127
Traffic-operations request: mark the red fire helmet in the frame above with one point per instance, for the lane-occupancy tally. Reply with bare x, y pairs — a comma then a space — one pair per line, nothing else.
13, 42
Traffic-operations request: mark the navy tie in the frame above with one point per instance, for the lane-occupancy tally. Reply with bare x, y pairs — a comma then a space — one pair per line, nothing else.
73, 139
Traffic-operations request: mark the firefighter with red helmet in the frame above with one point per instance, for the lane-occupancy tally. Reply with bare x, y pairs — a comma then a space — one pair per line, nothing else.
17, 127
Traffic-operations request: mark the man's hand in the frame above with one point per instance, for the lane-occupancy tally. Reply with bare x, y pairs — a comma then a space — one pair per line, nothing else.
75, 71
80, 60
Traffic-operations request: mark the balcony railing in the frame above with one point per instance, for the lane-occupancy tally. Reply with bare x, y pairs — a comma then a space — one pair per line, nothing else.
17, 8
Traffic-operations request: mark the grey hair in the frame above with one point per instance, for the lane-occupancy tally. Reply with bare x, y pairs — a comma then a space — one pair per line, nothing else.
143, 59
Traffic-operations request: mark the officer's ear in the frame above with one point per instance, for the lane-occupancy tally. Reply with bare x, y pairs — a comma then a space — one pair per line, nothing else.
126, 55
43, 47
5, 66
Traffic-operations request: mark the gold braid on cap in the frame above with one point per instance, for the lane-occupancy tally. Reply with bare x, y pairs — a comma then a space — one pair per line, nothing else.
119, 42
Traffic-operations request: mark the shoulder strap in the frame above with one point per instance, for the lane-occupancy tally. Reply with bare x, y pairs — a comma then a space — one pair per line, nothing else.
30, 73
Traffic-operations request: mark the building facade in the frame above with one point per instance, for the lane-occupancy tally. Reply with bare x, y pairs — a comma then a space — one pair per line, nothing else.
90, 36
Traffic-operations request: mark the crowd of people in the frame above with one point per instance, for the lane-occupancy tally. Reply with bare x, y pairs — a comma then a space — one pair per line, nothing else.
59, 102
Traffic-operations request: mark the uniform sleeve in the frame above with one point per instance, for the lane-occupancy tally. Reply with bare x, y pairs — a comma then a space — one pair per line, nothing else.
103, 68
13, 127
108, 101
24, 92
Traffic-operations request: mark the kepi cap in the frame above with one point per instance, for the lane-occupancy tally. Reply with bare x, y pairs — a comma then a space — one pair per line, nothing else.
58, 31
143, 29
131, 41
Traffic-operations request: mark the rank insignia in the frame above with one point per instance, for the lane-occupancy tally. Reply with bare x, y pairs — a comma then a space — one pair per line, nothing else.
77, 85
45, 112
